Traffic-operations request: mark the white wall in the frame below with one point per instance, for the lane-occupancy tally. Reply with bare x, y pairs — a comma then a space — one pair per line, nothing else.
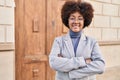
106, 27
7, 55
7, 65
106, 22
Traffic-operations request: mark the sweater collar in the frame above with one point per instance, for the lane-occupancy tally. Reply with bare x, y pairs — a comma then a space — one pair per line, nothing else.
75, 34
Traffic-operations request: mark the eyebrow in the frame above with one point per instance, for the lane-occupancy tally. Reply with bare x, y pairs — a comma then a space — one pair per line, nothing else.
74, 16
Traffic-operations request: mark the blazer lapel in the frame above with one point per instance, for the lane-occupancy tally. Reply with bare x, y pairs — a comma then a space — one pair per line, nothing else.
81, 45
68, 44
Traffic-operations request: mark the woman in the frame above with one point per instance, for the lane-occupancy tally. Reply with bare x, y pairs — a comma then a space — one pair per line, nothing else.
75, 56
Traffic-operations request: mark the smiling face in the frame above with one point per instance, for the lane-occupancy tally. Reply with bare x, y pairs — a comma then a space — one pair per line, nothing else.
76, 22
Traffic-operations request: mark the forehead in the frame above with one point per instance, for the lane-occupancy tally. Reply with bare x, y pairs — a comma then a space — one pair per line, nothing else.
76, 14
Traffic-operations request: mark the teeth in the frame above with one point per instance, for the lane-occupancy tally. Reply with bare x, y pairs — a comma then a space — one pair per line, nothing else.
75, 26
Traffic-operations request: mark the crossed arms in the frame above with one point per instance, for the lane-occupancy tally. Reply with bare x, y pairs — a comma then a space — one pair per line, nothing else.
77, 67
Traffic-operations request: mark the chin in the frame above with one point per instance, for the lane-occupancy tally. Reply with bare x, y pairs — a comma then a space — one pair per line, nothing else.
76, 30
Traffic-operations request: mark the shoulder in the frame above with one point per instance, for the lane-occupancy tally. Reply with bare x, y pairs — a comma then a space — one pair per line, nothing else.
91, 40
59, 38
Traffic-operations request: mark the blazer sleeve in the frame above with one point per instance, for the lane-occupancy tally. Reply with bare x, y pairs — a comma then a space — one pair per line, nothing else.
97, 65
63, 64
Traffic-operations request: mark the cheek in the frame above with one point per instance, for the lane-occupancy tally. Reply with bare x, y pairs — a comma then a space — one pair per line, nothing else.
82, 22
70, 24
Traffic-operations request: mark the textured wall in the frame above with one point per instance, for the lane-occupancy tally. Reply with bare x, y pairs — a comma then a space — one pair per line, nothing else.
6, 21
7, 62
106, 27
106, 21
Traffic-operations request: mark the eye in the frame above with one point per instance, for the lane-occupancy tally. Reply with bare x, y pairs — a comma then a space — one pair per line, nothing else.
80, 18
72, 18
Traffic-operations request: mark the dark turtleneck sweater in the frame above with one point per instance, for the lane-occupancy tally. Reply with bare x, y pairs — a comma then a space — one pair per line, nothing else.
75, 37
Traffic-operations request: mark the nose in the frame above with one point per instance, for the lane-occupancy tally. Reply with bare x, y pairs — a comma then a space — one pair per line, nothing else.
76, 21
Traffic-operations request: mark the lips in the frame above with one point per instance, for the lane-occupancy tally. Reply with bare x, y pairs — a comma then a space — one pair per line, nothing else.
75, 25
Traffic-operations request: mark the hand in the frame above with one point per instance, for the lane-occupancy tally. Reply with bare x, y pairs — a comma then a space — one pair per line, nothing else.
60, 55
88, 60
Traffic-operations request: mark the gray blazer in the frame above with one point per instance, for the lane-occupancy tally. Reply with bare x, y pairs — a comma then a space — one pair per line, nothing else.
70, 67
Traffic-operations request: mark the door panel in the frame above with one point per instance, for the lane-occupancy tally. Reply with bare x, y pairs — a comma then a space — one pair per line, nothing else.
35, 31
34, 26
34, 71
31, 57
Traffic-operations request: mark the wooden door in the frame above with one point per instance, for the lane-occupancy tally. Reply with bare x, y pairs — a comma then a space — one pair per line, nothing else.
30, 30
37, 23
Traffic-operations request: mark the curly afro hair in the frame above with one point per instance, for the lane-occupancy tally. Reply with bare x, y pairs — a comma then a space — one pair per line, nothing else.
84, 8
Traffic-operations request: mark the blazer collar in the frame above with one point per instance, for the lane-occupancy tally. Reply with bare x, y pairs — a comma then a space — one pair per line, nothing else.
67, 37
68, 43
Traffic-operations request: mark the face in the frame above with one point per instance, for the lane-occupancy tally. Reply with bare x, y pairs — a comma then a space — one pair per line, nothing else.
76, 22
